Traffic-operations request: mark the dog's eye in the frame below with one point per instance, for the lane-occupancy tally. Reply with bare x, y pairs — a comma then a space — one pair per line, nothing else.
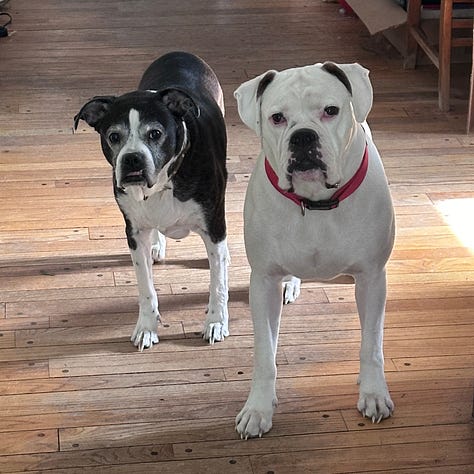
331, 110
154, 135
114, 138
278, 118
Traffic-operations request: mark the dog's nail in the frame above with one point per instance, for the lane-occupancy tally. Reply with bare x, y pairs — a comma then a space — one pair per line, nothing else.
373, 419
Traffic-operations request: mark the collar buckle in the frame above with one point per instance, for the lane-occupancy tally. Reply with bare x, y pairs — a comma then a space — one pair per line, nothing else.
303, 208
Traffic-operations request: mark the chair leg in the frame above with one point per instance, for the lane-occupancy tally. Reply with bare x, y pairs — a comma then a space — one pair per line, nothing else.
446, 13
470, 112
413, 21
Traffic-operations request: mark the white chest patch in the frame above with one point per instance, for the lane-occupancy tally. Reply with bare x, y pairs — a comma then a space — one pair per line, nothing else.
162, 211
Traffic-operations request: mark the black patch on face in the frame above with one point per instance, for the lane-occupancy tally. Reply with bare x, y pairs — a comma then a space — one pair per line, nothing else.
336, 71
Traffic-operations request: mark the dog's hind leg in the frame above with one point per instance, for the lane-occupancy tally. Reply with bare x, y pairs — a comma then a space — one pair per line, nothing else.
145, 333
291, 289
158, 245
216, 326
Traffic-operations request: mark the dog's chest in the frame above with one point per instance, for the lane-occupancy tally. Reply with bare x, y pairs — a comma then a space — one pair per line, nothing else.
163, 212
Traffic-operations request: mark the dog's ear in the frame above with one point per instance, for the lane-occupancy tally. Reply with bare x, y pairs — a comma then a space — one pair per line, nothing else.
249, 95
356, 79
93, 111
179, 103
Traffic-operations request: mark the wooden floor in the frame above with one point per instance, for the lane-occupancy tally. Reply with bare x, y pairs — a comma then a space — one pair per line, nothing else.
76, 396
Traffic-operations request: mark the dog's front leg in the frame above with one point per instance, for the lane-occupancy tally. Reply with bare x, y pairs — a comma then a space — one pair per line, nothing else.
216, 326
145, 333
374, 398
266, 305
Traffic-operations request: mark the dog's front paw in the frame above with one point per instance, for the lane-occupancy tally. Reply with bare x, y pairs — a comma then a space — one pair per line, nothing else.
291, 289
216, 326
252, 421
214, 332
144, 339
145, 334
375, 405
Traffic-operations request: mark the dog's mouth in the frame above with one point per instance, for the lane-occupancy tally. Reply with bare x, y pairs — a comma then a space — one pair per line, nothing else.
309, 169
307, 166
136, 178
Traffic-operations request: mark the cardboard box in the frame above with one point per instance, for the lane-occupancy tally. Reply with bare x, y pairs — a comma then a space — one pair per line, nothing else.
379, 15
389, 18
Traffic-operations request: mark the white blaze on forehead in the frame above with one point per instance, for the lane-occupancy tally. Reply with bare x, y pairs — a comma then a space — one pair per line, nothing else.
133, 143
134, 121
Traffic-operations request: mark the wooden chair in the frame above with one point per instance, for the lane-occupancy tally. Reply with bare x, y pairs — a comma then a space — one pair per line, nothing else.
441, 58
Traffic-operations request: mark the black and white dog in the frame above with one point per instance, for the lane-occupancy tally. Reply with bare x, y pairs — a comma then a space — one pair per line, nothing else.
166, 143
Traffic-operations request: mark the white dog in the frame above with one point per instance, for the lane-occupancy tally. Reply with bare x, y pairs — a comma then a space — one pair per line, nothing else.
317, 206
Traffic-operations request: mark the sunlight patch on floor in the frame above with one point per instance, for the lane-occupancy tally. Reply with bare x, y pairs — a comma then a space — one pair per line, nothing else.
459, 215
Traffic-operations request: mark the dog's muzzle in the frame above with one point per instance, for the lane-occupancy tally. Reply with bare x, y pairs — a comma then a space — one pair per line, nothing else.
305, 149
133, 169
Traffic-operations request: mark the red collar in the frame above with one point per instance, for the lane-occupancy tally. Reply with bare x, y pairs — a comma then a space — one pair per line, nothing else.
324, 204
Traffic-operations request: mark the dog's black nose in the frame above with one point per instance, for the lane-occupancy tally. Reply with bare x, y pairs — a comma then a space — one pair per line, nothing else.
132, 161
304, 137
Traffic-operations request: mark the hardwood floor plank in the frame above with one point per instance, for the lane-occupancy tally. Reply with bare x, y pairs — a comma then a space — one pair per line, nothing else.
434, 362
238, 465
191, 430
311, 442
455, 468
25, 379
368, 459
101, 363
78, 335
7, 339
162, 411
96, 458
11, 324
52, 281
402, 291
29, 442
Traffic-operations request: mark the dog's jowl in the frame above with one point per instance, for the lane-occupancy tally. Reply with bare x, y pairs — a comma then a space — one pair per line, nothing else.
317, 206
166, 143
